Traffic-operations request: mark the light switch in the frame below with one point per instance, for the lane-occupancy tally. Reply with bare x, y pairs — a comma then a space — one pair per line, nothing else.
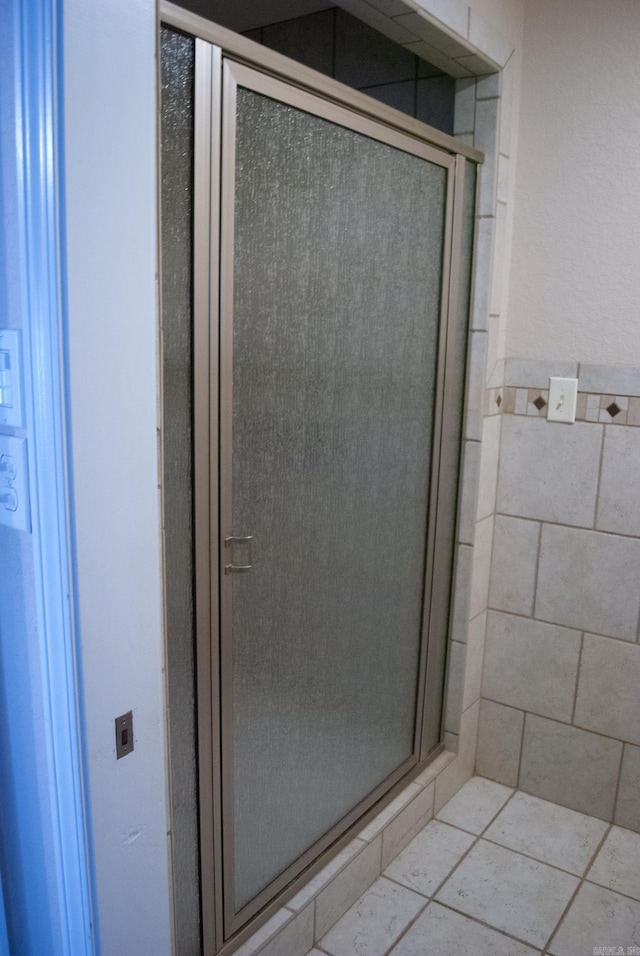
10, 379
563, 395
14, 483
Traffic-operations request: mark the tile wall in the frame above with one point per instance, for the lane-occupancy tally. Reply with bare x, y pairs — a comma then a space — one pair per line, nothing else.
343, 47
560, 708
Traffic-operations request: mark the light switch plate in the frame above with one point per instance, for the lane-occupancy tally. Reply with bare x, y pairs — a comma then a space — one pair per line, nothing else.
563, 396
14, 483
10, 379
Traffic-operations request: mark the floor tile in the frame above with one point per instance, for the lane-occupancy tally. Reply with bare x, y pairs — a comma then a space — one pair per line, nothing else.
442, 932
475, 804
375, 922
509, 891
598, 918
552, 834
617, 865
430, 857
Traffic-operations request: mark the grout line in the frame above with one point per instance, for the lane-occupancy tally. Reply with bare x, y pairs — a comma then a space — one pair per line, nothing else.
563, 723
628, 642
536, 573
495, 929
575, 690
577, 889
617, 794
524, 723
596, 504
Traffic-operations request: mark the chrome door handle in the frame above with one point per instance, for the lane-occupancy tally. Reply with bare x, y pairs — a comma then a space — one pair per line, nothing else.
238, 539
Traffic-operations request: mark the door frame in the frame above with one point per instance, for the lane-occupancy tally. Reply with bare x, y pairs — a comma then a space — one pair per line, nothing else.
279, 74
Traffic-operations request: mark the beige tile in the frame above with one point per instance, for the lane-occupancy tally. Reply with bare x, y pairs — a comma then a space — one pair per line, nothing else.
474, 661
296, 939
598, 917
572, 767
345, 889
619, 499
465, 106
583, 581
475, 805
461, 593
442, 932
535, 373
481, 567
475, 384
533, 453
530, 665
608, 688
611, 379
481, 300
375, 922
547, 832
488, 40
617, 865
268, 931
499, 739
489, 459
386, 815
510, 892
461, 769
429, 858
513, 566
469, 492
628, 804
633, 413
326, 874
454, 686
407, 824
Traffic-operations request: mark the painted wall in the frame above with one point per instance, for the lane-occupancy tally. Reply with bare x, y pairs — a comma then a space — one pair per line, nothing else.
575, 276
110, 152
27, 848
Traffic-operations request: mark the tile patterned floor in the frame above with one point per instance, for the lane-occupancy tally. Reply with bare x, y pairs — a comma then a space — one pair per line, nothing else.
501, 873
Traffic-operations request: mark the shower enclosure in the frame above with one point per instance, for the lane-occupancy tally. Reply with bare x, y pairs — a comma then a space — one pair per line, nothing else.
316, 267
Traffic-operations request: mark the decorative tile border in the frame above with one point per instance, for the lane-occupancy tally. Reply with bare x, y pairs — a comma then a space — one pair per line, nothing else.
591, 406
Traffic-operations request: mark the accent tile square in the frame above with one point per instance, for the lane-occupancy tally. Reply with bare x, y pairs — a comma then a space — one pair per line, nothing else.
547, 832
617, 865
475, 805
375, 922
509, 891
597, 917
442, 932
429, 858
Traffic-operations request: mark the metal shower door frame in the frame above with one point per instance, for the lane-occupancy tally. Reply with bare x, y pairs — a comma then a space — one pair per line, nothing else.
224, 61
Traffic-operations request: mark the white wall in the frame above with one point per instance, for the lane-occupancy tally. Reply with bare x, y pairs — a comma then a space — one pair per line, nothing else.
575, 276
110, 146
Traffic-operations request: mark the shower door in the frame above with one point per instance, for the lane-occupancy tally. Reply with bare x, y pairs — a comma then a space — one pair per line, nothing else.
324, 280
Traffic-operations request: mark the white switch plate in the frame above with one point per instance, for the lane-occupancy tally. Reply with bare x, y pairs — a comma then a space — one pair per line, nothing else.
563, 395
14, 483
10, 379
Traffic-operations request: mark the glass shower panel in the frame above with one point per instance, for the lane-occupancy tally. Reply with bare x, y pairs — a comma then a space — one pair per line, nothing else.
338, 252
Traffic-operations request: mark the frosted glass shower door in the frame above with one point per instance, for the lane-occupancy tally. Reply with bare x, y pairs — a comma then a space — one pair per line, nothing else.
333, 268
